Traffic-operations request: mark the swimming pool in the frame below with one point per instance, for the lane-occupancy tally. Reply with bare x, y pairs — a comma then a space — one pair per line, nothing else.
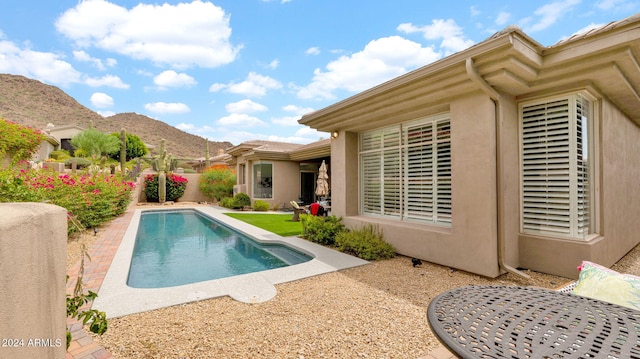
117, 299
177, 247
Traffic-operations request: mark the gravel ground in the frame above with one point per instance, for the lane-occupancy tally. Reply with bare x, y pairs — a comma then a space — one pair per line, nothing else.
374, 311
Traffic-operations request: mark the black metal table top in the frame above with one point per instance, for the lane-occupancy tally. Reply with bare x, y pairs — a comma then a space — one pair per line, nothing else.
526, 322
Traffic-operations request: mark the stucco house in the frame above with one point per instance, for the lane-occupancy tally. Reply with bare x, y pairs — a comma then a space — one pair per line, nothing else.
278, 172
504, 156
58, 138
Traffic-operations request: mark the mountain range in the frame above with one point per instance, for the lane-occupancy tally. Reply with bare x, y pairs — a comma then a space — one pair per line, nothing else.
32, 103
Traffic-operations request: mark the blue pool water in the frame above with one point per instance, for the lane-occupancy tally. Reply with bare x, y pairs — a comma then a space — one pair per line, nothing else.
181, 247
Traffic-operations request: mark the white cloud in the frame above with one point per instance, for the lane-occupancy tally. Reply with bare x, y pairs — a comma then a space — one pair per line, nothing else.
379, 61
245, 106
44, 66
255, 85
583, 30
273, 64
286, 120
163, 107
170, 78
101, 100
313, 51
616, 5
181, 35
548, 15
107, 80
191, 128
474, 11
502, 18
83, 56
297, 109
452, 36
106, 113
240, 120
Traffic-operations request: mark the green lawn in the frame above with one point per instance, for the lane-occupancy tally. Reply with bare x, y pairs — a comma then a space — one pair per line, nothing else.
280, 224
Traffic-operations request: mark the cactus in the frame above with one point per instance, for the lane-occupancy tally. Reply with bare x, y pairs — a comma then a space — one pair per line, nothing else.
123, 150
206, 157
162, 177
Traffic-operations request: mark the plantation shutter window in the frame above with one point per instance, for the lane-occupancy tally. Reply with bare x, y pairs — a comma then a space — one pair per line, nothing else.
406, 171
555, 167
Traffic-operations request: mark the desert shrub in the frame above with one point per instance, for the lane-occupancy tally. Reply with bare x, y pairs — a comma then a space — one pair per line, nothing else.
80, 162
217, 182
365, 242
60, 155
241, 200
260, 205
175, 187
322, 230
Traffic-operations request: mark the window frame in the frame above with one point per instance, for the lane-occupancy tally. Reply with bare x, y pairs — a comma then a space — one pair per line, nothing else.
391, 188
255, 182
575, 188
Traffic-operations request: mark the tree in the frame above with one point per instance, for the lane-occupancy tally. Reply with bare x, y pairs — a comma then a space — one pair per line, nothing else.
135, 147
217, 182
93, 143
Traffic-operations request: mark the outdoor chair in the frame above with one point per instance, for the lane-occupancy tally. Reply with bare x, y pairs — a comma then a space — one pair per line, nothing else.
297, 211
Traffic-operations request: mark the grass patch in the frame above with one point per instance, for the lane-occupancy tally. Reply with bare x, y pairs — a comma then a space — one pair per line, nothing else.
280, 224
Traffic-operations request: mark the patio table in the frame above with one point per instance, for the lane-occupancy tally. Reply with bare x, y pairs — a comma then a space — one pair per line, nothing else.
529, 322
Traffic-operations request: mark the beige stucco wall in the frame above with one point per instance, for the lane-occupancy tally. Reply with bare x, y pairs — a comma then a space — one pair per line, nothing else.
286, 183
471, 242
33, 245
619, 209
191, 193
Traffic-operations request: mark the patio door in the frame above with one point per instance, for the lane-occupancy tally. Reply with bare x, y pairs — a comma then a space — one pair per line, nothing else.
307, 186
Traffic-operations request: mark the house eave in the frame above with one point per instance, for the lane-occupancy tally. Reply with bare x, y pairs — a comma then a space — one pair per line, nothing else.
512, 63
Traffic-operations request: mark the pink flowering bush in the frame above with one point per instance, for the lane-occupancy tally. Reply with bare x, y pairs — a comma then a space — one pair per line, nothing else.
19, 142
91, 199
175, 187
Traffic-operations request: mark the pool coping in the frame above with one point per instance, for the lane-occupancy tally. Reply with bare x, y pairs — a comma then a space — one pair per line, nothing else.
117, 299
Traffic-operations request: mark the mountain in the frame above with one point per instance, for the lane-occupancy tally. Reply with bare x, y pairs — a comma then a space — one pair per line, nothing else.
35, 104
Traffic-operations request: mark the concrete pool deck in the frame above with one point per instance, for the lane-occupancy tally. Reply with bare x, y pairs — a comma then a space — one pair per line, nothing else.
117, 299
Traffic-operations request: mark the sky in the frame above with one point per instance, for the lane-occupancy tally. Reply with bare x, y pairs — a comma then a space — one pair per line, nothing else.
241, 70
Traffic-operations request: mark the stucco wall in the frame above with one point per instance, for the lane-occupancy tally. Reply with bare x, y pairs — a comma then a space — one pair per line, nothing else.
33, 245
191, 193
470, 244
618, 170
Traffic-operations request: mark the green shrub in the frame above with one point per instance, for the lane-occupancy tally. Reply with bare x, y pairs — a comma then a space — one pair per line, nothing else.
60, 155
226, 202
322, 230
175, 187
80, 162
260, 205
366, 242
241, 200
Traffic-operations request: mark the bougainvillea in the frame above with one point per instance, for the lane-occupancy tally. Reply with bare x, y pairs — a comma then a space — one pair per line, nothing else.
19, 142
92, 199
175, 187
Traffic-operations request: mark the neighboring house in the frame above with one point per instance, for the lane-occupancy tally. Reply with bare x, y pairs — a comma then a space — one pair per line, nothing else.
278, 172
506, 155
199, 164
58, 138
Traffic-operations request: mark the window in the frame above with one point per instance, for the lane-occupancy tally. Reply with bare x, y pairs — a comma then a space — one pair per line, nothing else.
262, 180
556, 165
406, 171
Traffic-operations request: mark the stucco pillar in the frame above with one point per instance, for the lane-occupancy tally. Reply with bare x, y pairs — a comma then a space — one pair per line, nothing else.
33, 246
344, 174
